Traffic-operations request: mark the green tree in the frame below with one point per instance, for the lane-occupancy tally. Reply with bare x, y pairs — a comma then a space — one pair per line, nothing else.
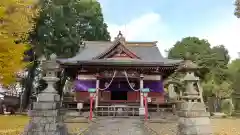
61, 27
199, 51
214, 59
221, 56
221, 60
234, 66
237, 9
64, 24
234, 71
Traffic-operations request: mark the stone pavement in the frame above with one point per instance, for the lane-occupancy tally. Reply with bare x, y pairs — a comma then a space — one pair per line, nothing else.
117, 126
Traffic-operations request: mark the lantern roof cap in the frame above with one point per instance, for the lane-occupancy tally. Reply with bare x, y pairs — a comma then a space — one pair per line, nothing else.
187, 65
190, 77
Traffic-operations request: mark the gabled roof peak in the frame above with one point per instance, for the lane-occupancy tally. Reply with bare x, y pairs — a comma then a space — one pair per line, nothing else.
118, 48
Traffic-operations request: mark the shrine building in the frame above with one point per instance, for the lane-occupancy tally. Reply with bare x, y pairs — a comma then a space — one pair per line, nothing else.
118, 70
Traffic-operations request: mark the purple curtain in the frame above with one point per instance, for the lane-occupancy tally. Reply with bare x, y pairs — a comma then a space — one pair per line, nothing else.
118, 85
84, 85
154, 86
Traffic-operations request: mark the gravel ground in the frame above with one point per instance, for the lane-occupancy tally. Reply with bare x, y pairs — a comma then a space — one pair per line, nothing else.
117, 126
76, 125
164, 128
221, 126
76, 128
166, 125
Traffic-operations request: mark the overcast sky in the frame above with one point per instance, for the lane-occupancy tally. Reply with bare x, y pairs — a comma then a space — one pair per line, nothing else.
168, 21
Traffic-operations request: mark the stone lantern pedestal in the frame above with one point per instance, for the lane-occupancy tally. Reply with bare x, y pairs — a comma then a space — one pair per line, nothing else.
45, 116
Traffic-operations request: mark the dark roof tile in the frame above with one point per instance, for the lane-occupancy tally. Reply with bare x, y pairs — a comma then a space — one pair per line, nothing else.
95, 48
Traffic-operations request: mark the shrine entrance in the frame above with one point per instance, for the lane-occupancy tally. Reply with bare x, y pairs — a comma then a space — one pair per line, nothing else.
118, 95
119, 90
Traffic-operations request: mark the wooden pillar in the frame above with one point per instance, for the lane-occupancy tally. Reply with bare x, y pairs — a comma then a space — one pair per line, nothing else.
141, 94
97, 91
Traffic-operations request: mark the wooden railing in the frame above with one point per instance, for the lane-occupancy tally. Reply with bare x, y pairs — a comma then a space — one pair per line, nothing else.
117, 110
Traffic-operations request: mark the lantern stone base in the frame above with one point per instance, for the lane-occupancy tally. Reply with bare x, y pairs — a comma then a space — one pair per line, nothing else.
45, 116
193, 119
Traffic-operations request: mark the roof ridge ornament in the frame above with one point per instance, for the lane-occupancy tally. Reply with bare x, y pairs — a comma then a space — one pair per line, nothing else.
120, 38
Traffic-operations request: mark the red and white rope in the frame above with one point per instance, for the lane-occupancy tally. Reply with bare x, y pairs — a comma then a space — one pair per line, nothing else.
114, 75
126, 76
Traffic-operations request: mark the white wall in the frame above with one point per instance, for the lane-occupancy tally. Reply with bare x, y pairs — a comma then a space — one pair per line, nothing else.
86, 77
152, 77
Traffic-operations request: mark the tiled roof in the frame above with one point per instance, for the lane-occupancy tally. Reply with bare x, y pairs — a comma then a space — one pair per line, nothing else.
148, 54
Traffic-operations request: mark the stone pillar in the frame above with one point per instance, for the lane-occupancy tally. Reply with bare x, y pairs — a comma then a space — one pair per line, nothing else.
193, 117
97, 92
141, 94
45, 116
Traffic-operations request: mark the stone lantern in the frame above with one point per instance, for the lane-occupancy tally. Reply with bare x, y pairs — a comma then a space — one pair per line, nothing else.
193, 117
45, 116
191, 92
50, 68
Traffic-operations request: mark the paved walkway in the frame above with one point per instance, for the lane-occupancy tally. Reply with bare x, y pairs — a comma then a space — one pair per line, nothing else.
117, 126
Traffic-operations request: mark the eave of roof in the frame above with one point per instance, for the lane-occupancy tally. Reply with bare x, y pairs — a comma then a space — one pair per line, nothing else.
133, 62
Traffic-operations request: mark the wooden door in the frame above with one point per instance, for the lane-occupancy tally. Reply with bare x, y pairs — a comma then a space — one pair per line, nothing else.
133, 96
105, 95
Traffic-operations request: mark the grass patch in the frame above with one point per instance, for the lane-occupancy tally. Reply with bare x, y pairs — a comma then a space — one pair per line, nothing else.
77, 127
226, 126
220, 126
14, 125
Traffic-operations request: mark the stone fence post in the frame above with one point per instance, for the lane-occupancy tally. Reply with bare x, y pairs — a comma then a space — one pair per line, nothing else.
45, 118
